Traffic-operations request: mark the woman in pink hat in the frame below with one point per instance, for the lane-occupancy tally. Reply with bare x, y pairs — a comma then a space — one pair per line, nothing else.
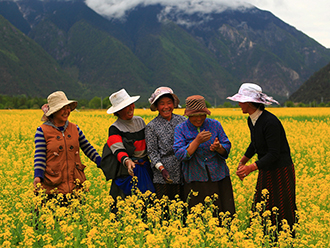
160, 137
57, 165
274, 163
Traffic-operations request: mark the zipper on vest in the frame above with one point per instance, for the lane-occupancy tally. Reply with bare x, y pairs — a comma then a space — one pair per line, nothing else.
67, 164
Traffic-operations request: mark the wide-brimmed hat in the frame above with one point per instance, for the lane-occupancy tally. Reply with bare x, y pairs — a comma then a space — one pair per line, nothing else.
120, 100
160, 92
250, 92
56, 101
195, 105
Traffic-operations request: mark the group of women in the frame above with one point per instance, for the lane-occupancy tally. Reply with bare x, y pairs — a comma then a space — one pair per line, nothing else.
172, 155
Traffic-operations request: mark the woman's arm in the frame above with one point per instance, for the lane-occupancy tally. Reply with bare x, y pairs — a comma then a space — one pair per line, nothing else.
152, 146
40, 154
88, 149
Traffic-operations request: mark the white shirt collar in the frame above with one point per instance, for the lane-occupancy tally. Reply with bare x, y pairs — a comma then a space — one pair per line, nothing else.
254, 117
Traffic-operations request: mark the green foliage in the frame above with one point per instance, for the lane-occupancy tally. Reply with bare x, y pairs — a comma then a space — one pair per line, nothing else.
315, 90
95, 103
26, 68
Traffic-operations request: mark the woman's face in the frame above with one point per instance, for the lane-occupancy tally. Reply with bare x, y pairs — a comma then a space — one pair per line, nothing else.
244, 107
247, 107
62, 115
197, 120
165, 107
127, 113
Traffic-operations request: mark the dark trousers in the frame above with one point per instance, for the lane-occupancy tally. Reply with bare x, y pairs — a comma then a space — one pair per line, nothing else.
222, 188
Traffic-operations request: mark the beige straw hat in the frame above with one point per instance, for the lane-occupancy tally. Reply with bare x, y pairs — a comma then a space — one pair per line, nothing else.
56, 101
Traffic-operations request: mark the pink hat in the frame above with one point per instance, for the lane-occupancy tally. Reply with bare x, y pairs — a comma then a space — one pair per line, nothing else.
249, 92
160, 92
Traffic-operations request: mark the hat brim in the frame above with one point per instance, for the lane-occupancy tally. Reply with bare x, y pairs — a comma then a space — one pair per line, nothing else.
153, 107
73, 104
240, 98
203, 111
123, 104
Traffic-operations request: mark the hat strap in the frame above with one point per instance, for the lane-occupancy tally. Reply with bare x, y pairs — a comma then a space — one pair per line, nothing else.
267, 99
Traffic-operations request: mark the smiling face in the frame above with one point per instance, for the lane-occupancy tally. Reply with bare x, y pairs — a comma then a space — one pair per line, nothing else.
62, 115
197, 120
127, 113
165, 106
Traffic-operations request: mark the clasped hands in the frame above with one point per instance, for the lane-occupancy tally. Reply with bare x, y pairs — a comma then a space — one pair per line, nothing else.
244, 170
205, 136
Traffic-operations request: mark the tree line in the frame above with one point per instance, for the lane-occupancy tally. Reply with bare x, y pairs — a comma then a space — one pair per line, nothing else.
27, 102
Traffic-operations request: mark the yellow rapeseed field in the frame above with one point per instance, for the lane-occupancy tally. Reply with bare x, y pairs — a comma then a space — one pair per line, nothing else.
87, 222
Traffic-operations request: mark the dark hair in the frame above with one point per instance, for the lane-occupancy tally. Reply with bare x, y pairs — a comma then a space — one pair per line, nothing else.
258, 105
165, 95
116, 114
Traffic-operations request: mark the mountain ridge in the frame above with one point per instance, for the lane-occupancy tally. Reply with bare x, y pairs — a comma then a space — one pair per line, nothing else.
211, 59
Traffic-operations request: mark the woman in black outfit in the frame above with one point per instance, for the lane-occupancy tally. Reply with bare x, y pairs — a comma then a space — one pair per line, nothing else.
269, 142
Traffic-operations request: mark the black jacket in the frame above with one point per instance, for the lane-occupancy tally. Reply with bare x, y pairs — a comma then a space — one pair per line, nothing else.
268, 140
112, 168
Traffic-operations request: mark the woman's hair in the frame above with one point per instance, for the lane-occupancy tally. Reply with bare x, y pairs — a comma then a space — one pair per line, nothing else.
258, 105
165, 95
116, 114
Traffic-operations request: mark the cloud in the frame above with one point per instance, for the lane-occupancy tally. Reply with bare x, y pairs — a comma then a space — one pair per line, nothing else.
118, 8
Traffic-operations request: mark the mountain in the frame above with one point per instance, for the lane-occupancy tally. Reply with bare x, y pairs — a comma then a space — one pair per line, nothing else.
194, 53
25, 67
315, 89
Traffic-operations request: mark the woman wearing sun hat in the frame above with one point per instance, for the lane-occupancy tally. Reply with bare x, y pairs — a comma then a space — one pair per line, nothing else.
269, 142
128, 129
203, 147
160, 138
57, 164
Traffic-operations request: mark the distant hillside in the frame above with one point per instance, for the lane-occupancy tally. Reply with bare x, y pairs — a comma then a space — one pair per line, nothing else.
316, 88
25, 68
208, 54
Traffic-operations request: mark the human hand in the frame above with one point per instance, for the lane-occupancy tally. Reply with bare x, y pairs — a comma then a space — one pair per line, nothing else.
36, 181
216, 146
245, 170
130, 166
166, 176
203, 136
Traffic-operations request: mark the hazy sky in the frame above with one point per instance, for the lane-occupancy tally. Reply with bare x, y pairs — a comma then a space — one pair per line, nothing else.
310, 17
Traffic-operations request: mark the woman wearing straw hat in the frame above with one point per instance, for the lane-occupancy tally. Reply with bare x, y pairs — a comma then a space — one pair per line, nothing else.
160, 138
57, 165
128, 129
203, 147
269, 142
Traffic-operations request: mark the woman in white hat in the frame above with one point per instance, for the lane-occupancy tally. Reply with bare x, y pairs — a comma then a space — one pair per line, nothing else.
57, 165
128, 129
269, 142
160, 138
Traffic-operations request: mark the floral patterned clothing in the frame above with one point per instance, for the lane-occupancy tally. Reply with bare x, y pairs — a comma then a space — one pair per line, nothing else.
160, 138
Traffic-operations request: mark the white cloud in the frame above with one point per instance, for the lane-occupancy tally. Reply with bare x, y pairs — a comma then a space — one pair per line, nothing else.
117, 8
312, 18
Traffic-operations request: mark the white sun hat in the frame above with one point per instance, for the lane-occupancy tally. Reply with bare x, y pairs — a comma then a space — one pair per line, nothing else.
250, 92
120, 100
